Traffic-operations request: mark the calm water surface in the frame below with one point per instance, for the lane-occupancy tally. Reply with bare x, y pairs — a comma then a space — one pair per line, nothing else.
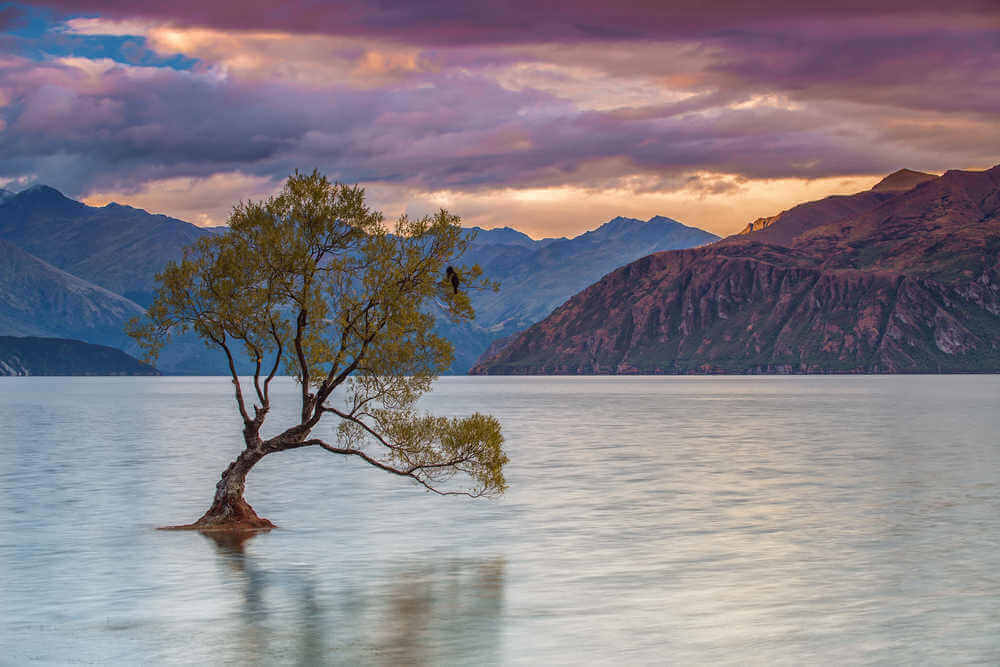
766, 520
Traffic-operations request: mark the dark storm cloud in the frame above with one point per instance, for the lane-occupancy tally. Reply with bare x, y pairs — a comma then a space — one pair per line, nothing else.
945, 70
519, 21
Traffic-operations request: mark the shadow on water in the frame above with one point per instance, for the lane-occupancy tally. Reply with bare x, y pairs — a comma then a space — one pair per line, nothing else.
431, 612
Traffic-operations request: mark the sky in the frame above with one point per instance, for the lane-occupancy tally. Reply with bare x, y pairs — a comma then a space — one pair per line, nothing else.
547, 116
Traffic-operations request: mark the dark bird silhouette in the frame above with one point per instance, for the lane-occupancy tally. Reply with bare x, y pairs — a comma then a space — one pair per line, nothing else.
452, 275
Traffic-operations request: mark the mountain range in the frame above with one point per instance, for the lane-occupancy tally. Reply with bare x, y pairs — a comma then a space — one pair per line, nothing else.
72, 270
38, 299
904, 277
536, 276
69, 270
117, 247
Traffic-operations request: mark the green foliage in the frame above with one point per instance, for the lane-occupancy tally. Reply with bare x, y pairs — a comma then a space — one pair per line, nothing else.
311, 281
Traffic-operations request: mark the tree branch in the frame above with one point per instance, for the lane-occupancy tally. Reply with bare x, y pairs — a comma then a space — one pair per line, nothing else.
300, 324
362, 424
327, 388
256, 378
274, 369
324, 392
382, 466
236, 378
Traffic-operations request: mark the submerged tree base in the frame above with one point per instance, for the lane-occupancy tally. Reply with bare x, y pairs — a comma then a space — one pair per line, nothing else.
233, 517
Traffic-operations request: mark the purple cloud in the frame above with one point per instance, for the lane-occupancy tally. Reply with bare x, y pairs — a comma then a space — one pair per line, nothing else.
438, 96
456, 22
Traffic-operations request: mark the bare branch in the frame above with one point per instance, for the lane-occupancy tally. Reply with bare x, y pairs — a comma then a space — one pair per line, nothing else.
274, 369
236, 378
300, 324
256, 379
344, 338
324, 391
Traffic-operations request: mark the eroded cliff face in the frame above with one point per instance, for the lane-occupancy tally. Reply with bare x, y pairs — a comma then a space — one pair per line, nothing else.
909, 284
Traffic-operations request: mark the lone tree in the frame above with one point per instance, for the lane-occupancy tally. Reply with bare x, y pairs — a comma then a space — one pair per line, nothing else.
311, 283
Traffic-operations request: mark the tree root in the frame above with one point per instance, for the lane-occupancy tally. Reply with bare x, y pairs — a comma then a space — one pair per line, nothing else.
235, 517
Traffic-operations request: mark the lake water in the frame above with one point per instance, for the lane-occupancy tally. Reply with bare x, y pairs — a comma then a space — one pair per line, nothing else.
692, 520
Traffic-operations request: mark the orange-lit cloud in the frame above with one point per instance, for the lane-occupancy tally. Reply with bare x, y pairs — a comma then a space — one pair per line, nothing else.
312, 60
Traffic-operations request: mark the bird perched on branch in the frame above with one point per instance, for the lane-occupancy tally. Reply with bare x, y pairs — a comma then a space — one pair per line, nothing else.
452, 276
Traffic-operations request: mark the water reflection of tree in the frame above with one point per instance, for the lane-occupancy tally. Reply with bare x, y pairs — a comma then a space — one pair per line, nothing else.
428, 613
443, 613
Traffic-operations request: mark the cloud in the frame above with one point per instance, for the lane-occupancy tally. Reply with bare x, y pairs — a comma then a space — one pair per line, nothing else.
610, 105
310, 60
458, 22
96, 126
888, 59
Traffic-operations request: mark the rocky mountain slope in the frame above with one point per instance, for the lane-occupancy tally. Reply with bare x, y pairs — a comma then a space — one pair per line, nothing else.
117, 247
889, 280
796, 220
37, 299
57, 356
902, 181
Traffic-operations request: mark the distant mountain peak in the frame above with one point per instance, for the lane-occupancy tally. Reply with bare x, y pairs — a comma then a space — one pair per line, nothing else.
662, 219
502, 236
40, 188
902, 180
618, 222
622, 221
45, 194
622, 225
125, 208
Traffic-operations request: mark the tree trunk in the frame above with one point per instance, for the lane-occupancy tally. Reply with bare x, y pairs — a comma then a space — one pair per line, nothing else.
229, 511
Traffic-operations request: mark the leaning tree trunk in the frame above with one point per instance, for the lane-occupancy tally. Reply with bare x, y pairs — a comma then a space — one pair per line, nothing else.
229, 511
